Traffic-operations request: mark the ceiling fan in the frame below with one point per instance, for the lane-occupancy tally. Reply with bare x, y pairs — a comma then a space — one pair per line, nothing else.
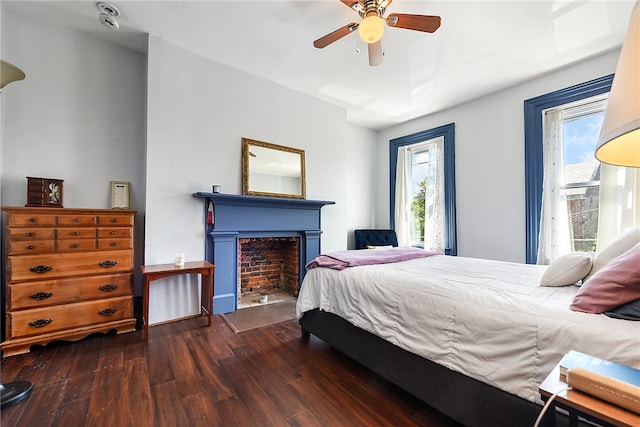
372, 26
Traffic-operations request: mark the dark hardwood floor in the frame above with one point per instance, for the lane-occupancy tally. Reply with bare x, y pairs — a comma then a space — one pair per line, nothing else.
191, 375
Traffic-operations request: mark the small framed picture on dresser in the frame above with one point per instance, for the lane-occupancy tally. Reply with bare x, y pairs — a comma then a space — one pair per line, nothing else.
120, 195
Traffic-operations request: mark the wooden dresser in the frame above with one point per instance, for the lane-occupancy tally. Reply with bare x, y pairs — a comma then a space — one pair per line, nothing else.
69, 273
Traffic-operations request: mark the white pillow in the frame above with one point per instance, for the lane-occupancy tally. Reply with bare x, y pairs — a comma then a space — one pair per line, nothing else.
567, 269
379, 247
620, 245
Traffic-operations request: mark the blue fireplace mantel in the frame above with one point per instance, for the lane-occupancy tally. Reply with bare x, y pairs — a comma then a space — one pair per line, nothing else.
236, 216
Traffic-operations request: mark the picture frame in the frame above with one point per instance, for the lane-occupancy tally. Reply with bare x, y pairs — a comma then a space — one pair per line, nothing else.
120, 195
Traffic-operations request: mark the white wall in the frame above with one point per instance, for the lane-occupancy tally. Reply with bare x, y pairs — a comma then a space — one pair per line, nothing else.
489, 150
81, 115
198, 111
78, 115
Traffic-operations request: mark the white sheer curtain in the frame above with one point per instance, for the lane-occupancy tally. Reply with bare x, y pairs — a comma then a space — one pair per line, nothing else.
403, 197
619, 202
554, 219
434, 199
434, 194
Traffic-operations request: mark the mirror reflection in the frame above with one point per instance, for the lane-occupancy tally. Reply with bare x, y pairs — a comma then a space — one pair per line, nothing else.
272, 170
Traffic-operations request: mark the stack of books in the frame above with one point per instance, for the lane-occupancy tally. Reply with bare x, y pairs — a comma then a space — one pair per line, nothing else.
616, 383
575, 359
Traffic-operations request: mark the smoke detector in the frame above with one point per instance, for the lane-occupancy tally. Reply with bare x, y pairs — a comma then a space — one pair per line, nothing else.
108, 13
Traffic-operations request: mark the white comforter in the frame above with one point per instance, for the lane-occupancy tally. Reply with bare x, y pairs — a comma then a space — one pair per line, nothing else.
489, 320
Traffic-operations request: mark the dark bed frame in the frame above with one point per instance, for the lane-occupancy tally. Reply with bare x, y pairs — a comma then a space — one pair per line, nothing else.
464, 399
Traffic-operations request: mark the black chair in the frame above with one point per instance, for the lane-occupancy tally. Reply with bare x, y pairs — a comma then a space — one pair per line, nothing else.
375, 237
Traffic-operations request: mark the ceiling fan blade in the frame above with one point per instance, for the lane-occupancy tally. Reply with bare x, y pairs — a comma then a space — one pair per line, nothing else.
375, 53
425, 23
335, 35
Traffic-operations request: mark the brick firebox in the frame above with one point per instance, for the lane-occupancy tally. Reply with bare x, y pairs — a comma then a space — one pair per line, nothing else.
268, 263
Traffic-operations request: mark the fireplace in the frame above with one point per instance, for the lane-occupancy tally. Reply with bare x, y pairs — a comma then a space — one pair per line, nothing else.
236, 220
268, 264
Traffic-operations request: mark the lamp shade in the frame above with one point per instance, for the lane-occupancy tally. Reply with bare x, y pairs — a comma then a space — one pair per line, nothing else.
619, 142
9, 73
371, 29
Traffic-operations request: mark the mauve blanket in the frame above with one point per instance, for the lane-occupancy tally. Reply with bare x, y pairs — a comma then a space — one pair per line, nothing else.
342, 259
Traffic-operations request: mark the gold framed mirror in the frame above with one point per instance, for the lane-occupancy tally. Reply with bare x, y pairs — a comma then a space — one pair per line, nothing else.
272, 170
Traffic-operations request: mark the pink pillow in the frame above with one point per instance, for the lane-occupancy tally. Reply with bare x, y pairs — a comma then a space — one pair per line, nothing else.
617, 283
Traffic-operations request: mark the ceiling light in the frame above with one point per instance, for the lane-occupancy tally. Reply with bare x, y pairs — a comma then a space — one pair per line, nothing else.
619, 142
9, 73
371, 29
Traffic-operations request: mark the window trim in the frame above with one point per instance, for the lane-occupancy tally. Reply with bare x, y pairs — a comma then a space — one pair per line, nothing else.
448, 133
533, 164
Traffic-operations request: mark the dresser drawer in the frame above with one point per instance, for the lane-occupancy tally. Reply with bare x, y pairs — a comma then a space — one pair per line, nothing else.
115, 244
50, 266
76, 233
34, 247
49, 319
114, 233
63, 291
76, 220
115, 220
76, 244
32, 219
28, 234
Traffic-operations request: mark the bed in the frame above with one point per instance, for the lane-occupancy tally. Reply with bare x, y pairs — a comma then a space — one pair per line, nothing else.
472, 338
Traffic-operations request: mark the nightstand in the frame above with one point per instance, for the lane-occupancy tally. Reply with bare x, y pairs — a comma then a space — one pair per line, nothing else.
580, 404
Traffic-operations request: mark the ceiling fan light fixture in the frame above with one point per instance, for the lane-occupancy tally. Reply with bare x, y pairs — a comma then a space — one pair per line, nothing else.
371, 29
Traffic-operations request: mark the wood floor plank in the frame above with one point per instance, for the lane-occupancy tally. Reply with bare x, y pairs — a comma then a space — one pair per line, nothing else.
325, 410
169, 411
135, 400
187, 379
191, 375
46, 399
72, 414
215, 382
272, 378
87, 356
256, 400
60, 365
305, 419
107, 386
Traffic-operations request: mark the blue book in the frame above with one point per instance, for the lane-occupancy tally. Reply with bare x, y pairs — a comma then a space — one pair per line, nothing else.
575, 359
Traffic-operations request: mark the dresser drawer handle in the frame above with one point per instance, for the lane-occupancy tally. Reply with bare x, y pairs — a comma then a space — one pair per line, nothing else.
107, 311
75, 233
113, 233
41, 295
30, 234
76, 219
114, 220
40, 323
32, 220
114, 244
108, 288
30, 247
75, 245
107, 264
41, 268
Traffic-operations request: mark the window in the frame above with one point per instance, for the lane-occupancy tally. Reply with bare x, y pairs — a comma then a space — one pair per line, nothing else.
570, 191
424, 194
423, 189
581, 126
533, 140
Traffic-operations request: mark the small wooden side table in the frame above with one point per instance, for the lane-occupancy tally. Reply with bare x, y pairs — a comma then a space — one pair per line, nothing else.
578, 403
160, 271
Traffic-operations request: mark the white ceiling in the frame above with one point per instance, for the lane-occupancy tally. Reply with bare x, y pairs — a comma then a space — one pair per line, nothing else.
481, 46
